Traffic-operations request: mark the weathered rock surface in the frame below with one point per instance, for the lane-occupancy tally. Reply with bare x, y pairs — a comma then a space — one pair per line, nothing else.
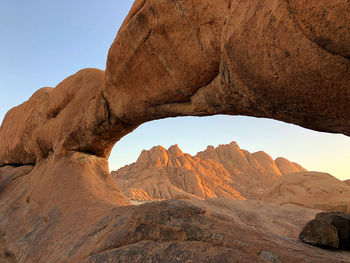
195, 58
271, 59
73, 117
42, 217
328, 230
287, 60
310, 189
287, 167
320, 233
341, 222
215, 230
347, 182
225, 171
6, 256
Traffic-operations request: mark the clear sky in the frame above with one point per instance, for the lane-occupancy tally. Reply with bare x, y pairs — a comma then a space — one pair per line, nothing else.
43, 42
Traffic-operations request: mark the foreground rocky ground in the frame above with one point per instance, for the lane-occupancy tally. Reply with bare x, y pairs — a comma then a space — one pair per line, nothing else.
221, 230
214, 230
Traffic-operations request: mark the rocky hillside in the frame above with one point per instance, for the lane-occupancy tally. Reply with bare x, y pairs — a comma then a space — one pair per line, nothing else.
310, 189
224, 171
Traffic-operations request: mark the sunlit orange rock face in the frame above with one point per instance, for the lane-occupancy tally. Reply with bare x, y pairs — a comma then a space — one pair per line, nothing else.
225, 171
287, 60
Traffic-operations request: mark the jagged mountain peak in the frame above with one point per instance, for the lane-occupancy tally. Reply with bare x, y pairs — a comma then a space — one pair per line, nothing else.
222, 171
157, 156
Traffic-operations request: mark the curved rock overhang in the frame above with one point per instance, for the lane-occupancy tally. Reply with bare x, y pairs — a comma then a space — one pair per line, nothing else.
286, 60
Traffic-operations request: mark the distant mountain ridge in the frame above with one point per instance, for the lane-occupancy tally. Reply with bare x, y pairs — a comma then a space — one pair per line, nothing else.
224, 171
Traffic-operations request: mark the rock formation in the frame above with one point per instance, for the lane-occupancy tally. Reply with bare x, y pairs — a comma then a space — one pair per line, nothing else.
320, 233
287, 60
244, 231
287, 167
215, 230
310, 189
215, 65
330, 230
347, 182
225, 171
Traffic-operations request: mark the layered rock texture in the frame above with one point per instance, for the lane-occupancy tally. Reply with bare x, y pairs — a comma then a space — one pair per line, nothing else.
225, 171
287, 60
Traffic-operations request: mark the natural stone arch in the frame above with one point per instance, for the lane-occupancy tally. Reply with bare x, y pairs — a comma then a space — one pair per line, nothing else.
235, 61
275, 59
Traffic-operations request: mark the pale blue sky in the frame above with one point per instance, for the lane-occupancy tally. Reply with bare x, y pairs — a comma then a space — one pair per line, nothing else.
43, 42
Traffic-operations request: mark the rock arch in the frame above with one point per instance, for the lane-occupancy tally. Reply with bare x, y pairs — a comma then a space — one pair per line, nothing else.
277, 59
